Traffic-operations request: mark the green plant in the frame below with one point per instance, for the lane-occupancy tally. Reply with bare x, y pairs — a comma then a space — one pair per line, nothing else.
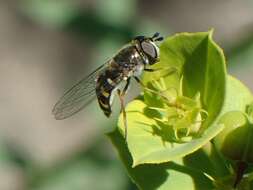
197, 130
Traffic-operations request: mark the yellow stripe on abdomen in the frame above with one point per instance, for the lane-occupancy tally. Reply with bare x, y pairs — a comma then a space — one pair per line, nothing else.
103, 105
105, 94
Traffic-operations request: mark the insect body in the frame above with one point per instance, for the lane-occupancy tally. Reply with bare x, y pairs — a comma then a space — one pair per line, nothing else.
128, 63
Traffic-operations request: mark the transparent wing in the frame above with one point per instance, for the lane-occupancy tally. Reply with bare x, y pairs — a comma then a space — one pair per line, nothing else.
79, 96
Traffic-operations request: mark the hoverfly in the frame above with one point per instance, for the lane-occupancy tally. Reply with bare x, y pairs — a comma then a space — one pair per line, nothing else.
128, 63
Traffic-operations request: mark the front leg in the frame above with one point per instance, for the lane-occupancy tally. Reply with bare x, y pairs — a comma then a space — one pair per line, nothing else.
149, 70
167, 70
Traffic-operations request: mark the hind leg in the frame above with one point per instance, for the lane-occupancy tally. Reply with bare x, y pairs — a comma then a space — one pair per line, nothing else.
121, 95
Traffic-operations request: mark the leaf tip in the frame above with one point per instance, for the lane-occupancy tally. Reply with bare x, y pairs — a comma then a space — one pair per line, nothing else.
137, 162
134, 164
211, 31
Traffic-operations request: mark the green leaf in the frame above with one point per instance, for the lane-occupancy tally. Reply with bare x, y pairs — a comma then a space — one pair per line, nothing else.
235, 140
201, 62
208, 160
238, 96
149, 142
172, 175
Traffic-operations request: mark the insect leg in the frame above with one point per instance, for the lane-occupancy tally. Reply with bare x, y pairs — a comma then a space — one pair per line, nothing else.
122, 104
169, 70
149, 70
148, 89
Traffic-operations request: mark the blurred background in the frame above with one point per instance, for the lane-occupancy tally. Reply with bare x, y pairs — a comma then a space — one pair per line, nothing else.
46, 46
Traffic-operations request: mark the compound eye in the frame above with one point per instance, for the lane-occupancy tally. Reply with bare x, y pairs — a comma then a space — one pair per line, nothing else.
150, 49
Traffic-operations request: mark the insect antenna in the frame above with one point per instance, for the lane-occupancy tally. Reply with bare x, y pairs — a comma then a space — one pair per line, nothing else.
159, 39
155, 35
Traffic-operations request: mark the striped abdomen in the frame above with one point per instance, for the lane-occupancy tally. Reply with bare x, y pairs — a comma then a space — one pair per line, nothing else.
106, 83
